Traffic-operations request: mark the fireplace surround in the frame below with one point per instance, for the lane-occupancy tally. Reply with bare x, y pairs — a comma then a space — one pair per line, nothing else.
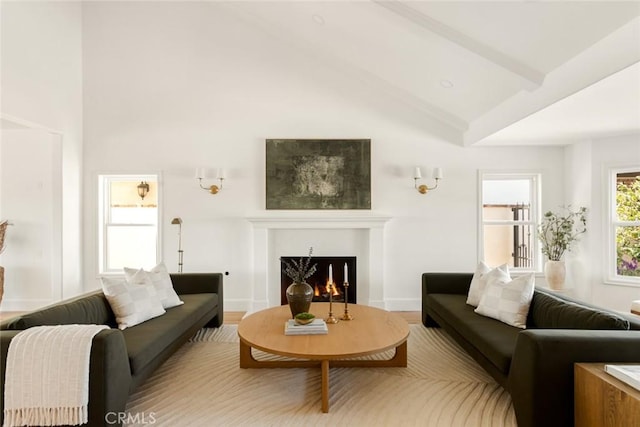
352, 235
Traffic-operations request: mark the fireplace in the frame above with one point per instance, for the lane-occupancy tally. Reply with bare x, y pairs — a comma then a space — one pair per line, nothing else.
320, 278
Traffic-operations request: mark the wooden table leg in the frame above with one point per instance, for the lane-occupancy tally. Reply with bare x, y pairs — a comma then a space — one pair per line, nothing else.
325, 386
246, 358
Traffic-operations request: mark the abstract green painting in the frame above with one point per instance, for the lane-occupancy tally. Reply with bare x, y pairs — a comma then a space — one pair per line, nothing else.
318, 174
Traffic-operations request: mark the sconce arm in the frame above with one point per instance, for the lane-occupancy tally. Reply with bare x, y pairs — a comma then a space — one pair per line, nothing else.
423, 189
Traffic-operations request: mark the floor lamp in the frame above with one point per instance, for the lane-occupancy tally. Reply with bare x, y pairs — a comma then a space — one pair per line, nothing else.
178, 221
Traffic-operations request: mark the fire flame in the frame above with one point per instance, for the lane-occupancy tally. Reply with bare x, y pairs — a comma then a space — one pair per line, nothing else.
324, 290
336, 291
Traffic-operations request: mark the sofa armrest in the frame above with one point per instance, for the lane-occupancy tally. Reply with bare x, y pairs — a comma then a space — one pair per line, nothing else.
109, 375
446, 283
202, 283
541, 374
442, 283
197, 283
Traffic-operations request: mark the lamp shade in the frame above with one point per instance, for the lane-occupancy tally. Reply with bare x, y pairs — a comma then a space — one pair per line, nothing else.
201, 173
437, 173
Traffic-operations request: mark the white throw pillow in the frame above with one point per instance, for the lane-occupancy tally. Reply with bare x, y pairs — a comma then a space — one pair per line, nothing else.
479, 281
132, 304
508, 301
159, 277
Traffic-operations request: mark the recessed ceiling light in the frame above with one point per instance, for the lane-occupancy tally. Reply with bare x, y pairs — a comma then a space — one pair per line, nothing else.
318, 19
447, 84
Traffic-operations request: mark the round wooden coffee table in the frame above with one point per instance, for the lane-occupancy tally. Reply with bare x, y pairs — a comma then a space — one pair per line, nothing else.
371, 331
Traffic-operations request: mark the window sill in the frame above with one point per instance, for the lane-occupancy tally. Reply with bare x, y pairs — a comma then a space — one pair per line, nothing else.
632, 282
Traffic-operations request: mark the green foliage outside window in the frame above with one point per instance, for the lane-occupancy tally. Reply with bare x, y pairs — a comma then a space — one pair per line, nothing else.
628, 237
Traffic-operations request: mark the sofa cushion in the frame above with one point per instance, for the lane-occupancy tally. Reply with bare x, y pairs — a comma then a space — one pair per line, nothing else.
508, 300
146, 340
482, 275
159, 277
84, 310
132, 304
494, 339
550, 312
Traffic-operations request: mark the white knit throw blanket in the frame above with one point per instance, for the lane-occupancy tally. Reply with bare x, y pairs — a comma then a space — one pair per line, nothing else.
47, 376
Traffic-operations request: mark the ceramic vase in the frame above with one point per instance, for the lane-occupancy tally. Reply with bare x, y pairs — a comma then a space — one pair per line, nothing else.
555, 273
299, 296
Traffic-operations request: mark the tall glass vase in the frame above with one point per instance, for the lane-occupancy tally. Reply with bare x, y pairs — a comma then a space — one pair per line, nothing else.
299, 296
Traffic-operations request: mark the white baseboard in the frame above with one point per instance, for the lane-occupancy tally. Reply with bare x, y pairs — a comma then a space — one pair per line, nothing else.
403, 304
377, 303
237, 304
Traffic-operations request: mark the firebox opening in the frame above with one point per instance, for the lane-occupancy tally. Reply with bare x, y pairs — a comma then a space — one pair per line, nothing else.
320, 279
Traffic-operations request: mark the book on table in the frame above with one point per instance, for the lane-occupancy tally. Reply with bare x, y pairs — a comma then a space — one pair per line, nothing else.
317, 327
629, 374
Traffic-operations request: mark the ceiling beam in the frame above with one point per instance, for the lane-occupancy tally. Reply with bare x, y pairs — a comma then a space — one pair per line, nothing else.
532, 78
608, 56
450, 126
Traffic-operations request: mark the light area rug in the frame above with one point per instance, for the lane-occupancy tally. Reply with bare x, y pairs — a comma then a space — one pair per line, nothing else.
203, 385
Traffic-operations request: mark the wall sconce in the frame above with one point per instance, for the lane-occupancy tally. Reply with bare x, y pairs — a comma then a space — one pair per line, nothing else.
201, 174
143, 189
423, 189
178, 221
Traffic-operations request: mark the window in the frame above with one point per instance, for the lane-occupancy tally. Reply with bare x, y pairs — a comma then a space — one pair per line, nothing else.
128, 234
508, 215
624, 226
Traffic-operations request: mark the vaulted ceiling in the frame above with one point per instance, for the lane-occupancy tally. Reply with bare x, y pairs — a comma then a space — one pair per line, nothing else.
503, 72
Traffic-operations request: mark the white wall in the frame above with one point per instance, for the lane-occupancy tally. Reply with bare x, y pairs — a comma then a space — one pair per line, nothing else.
579, 261
30, 197
166, 87
41, 79
173, 86
586, 186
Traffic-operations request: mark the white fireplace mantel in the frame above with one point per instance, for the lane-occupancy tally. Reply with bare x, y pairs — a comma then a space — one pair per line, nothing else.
266, 261
336, 222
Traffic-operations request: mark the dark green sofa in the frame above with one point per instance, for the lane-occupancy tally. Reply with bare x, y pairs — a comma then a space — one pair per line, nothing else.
122, 359
535, 365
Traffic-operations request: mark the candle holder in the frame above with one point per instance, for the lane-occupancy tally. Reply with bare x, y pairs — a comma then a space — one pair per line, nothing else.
346, 315
331, 319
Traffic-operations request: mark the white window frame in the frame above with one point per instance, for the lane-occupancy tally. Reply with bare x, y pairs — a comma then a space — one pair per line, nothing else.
104, 202
611, 270
535, 178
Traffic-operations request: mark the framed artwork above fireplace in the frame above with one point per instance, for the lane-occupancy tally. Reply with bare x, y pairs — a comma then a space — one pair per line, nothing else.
318, 174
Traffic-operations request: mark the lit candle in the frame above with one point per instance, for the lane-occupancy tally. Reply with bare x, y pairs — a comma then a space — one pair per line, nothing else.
330, 274
346, 273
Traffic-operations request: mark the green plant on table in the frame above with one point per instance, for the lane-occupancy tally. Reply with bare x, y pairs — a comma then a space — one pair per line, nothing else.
558, 233
305, 316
